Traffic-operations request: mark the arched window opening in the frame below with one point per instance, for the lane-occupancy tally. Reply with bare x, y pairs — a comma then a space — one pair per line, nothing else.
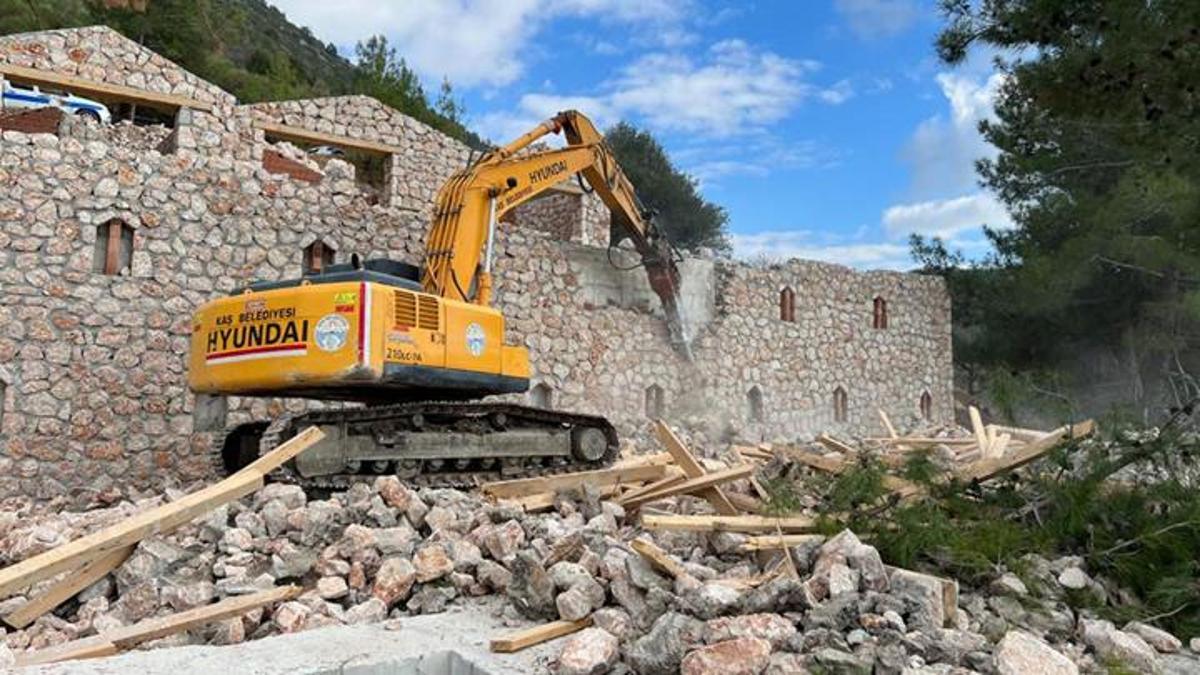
880, 313
114, 248
317, 256
542, 396
754, 404
926, 406
787, 304
841, 405
655, 402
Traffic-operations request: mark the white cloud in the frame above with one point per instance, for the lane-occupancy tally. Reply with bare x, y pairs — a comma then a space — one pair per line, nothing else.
870, 19
838, 94
943, 149
473, 42
733, 89
783, 245
946, 218
945, 199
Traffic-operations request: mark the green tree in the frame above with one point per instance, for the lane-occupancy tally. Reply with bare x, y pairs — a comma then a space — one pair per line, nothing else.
1098, 131
689, 220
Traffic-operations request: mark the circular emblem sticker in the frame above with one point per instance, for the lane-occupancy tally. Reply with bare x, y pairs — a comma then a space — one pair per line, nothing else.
331, 332
476, 339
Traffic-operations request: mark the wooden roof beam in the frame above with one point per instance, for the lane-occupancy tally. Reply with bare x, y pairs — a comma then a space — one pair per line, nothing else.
83, 87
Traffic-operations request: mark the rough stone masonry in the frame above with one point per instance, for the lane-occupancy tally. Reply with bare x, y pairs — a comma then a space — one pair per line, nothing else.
93, 350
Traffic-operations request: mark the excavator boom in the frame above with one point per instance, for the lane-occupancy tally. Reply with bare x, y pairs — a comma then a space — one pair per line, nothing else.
471, 202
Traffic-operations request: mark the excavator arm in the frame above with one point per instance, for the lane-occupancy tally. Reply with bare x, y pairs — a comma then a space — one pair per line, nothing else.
458, 255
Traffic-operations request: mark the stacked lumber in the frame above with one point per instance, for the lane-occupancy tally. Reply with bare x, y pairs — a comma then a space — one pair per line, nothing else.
991, 451
83, 561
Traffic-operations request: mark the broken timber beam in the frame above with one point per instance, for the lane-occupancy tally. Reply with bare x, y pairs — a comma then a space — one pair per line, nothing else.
545, 500
698, 484
899, 486
692, 468
524, 487
658, 558
158, 520
152, 629
726, 523
981, 436
67, 587
514, 642
988, 468
673, 477
773, 542
836, 445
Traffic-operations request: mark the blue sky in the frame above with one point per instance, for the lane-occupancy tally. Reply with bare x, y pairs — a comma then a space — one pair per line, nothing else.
827, 128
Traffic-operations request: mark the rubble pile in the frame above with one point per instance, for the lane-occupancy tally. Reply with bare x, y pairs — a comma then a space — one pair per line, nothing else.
382, 550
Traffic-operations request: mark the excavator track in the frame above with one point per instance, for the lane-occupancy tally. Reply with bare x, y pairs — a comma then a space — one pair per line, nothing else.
427, 444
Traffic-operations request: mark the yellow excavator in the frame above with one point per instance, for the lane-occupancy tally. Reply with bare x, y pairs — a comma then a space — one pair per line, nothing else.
416, 345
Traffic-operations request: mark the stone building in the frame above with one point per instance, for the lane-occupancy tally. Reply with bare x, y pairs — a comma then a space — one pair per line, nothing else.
110, 236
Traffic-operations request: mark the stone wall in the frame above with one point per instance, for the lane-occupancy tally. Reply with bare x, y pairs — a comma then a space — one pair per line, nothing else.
566, 215
92, 366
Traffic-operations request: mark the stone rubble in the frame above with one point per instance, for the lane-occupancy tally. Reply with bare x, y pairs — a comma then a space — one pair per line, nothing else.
381, 551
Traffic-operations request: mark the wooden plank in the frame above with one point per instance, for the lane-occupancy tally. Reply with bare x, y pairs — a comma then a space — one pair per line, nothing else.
285, 132
538, 634
644, 460
152, 629
692, 468
987, 468
1022, 434
78, 85
572, 481
545, 500
286, 451
836, 445
826, 464
658, 558
772, 542
887, 424
673, 477
67, 587
918, 440
977, 426
1001, 445
745, 503
725, 523
693, 485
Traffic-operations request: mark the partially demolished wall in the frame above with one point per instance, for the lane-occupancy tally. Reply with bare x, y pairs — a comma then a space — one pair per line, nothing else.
106, 248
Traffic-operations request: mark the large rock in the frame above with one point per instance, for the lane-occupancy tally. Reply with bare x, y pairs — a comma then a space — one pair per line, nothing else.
923, 595
712, 600
1115, 645
1074, 579
531, 590
659, 651
1155, 637
394, 581
592, 651
502, 541
432, 562
1020, 653
739, 656
770, 627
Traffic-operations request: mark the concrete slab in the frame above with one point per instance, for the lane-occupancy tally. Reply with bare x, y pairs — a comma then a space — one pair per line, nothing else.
452, 643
